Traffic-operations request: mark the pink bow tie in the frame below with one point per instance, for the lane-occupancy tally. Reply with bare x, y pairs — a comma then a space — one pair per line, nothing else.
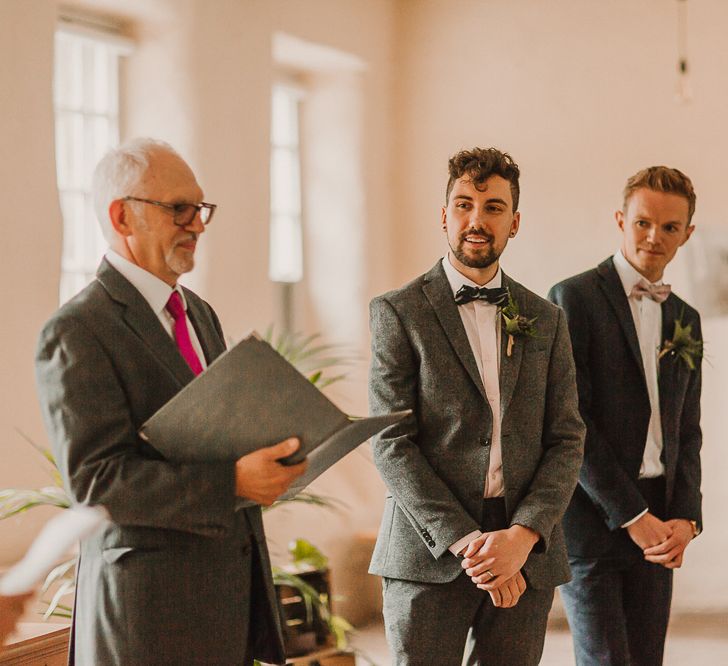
657, 292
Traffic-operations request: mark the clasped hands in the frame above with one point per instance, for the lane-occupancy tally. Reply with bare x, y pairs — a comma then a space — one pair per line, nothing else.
259, 476
494, 561
662, 542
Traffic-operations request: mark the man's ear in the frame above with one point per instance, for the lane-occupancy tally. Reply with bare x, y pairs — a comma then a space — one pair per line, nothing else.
118, 217
619, 216
443, 218
515, 224
688, 233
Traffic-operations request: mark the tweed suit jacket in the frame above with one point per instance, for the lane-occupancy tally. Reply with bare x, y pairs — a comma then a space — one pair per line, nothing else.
434, 463
615, 406
164, 583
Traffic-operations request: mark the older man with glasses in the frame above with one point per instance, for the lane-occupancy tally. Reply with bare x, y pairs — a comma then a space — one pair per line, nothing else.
180, 576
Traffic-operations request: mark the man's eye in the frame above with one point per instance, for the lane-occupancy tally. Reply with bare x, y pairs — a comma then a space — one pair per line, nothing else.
494, 209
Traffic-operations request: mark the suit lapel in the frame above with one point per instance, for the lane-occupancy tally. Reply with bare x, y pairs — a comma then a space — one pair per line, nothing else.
510, 366
439, 293
144, 322
612, 287
667, 369
212, 346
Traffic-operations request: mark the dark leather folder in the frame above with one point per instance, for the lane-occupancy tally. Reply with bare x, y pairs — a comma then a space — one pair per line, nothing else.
249, 398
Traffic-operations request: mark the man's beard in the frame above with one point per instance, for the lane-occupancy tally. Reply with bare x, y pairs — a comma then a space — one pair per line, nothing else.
483, 259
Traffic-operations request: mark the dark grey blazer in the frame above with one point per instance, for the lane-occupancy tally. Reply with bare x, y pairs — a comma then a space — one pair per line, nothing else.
164, 583
434, 463
615, 406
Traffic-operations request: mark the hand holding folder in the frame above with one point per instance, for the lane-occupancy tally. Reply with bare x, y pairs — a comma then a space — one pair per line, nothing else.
251, 398
261, 478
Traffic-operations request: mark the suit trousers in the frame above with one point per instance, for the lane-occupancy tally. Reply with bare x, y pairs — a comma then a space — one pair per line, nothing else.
455, 623
618, 606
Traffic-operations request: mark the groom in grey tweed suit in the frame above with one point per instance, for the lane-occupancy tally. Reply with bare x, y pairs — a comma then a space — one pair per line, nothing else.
470, 546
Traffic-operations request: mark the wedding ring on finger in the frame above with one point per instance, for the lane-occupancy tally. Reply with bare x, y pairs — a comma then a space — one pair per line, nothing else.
490, 573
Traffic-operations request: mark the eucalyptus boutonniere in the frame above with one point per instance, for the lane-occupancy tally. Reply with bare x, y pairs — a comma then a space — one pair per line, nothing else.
517, 325
683, 345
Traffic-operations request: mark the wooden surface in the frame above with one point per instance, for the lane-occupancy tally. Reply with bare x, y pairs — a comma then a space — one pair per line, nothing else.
37, 644
325, 657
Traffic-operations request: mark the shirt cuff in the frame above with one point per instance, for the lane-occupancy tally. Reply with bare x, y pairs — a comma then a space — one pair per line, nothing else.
461, 544
635, 519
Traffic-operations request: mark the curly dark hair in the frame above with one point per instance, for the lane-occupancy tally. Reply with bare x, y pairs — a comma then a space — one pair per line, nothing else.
480, 164
662, 179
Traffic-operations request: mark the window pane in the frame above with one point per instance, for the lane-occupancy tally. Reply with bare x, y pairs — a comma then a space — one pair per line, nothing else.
68, 72
72, 208
285, 181
86, 95
69, 150
286, 258
284, 123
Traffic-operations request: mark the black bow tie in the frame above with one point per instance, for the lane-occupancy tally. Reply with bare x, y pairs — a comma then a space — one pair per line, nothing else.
466, 293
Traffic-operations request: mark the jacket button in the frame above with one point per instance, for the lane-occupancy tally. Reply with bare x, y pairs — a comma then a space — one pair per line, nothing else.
432, 543
485, 441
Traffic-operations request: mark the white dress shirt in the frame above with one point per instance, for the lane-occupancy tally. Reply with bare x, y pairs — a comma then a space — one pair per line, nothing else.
647, 316
156, 292
482, 326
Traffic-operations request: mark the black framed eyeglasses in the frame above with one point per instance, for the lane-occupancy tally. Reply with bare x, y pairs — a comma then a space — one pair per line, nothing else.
184, 213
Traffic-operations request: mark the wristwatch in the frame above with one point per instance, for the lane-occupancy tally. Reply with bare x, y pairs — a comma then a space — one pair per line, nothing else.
696, 529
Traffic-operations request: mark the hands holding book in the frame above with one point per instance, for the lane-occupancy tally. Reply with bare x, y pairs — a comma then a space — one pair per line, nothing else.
262, 478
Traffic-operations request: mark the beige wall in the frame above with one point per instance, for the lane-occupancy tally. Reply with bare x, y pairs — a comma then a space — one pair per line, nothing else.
582, 95
30, 269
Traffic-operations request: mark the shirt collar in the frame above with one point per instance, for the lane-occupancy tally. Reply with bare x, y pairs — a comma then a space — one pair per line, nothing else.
457, 279
628, 274
156, 292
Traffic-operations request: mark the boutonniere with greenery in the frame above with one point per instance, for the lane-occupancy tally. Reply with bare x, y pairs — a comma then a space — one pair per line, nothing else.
517, 325
683, 345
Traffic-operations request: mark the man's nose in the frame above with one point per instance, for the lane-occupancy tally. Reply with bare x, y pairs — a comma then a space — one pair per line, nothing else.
477, 218
196, 225
653, 234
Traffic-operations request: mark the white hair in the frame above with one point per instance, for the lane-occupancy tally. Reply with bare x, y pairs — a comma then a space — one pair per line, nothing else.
119, 172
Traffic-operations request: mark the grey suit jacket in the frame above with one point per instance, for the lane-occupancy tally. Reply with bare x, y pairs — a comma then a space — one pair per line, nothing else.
164, 583
434, 463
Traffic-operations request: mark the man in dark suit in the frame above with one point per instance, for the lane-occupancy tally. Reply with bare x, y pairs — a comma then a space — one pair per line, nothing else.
180, 576
637, 505
470, 545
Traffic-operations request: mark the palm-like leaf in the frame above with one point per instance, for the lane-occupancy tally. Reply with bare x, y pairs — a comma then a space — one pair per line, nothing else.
54, 606
49, 457
309, 498
17, 500
309, 357
65, 571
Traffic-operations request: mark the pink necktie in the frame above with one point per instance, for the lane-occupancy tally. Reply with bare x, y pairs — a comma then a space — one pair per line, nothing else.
657, 292
181, 332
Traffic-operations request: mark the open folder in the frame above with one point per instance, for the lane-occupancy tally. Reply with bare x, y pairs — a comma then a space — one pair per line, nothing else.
249, 398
